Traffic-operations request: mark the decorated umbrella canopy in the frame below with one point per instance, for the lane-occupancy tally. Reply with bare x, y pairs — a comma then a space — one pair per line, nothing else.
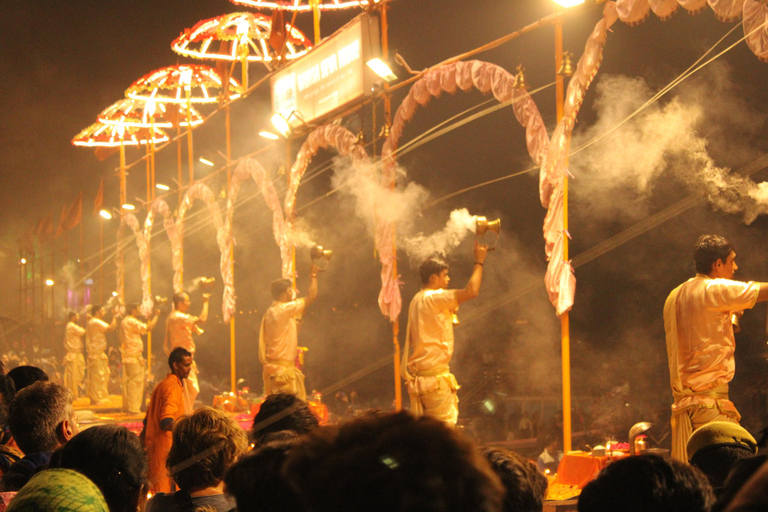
141, 114
316, 6
117, 135
306, 5
242, 36
184, 83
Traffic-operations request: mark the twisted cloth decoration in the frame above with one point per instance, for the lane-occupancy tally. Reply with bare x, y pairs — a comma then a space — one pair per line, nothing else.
754, 15
202, 192
158, 207
127, 220
249, 168
326, 136
463, 75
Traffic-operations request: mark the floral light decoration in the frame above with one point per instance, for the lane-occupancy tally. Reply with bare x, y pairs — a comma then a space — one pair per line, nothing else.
243, 35
306, 5
115, 135
141, 114
184, 83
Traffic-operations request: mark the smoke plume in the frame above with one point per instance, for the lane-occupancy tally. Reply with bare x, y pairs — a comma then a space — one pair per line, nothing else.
669, 137
421, 247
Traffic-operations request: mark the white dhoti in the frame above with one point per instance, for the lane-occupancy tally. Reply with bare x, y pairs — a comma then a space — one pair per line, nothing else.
433, 393
133, 386
283, 377
688, 418
98, 378
74, 370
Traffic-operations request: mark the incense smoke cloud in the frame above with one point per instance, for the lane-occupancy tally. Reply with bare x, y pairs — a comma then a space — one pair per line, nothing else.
401, 205
668, 137
421, 247
300, 234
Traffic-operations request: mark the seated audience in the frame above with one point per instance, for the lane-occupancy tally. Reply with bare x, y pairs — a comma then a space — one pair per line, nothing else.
550, 458
394, 463
282, 411
646, 483
23, 376
205, 445
256, 481
113, 458
525, 486
41, 418
59, 490
716, 446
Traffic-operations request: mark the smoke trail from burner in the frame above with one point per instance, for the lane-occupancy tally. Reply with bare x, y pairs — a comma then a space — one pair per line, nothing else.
421, 247
671, 138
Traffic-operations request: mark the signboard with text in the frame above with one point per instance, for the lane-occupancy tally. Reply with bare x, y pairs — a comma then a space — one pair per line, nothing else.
331, 76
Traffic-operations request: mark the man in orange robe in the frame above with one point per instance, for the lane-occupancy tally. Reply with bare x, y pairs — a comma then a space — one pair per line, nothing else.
165, 407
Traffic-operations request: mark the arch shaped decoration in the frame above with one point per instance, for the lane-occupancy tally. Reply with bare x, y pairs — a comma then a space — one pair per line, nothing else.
249, 168
202, 192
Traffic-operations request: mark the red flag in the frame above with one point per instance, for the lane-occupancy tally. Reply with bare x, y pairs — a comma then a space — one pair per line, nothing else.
277, 32
98, 203
44, 229
104, 152
71, 217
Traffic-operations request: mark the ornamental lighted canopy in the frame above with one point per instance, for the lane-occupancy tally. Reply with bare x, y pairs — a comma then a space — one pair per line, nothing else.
106, 135
184, 83
145, 114
306, 5
238, 36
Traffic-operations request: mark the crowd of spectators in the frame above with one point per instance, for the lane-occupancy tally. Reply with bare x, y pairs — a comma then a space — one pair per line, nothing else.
376, 461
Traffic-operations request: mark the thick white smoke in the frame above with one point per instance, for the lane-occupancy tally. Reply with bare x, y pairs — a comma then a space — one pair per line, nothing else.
617, 174
401, 205
421, 247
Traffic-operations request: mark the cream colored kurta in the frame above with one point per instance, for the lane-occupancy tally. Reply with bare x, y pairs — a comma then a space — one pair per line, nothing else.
74, 362
131, 347
700, 349
98, 362
278, 343
431, 386
179, 328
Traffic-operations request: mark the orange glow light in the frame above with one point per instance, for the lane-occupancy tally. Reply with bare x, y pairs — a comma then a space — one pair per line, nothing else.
165, 85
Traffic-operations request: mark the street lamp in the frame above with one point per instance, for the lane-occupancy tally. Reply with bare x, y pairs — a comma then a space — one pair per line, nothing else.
105, 214
382, 69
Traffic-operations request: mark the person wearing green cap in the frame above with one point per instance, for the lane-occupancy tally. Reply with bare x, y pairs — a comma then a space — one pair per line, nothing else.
59, 490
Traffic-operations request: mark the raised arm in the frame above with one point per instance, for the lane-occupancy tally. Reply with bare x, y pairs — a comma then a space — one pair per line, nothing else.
113, 324
312, 292
762, 296
473, 286
153, 320
204, 313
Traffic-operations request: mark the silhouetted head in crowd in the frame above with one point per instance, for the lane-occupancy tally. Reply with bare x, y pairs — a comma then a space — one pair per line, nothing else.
647, 483
207, 431
525, 486
23, 376
431, 267
393, 463
256, 481
42, 418
7, 390
716, 446
113, 458
741, 472
283, 411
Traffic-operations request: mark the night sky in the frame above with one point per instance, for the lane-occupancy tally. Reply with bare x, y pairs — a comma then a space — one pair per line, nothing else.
63, 62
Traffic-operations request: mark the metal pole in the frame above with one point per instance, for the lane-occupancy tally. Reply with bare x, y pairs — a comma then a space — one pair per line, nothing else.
232, 345
565, 341
123, 194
